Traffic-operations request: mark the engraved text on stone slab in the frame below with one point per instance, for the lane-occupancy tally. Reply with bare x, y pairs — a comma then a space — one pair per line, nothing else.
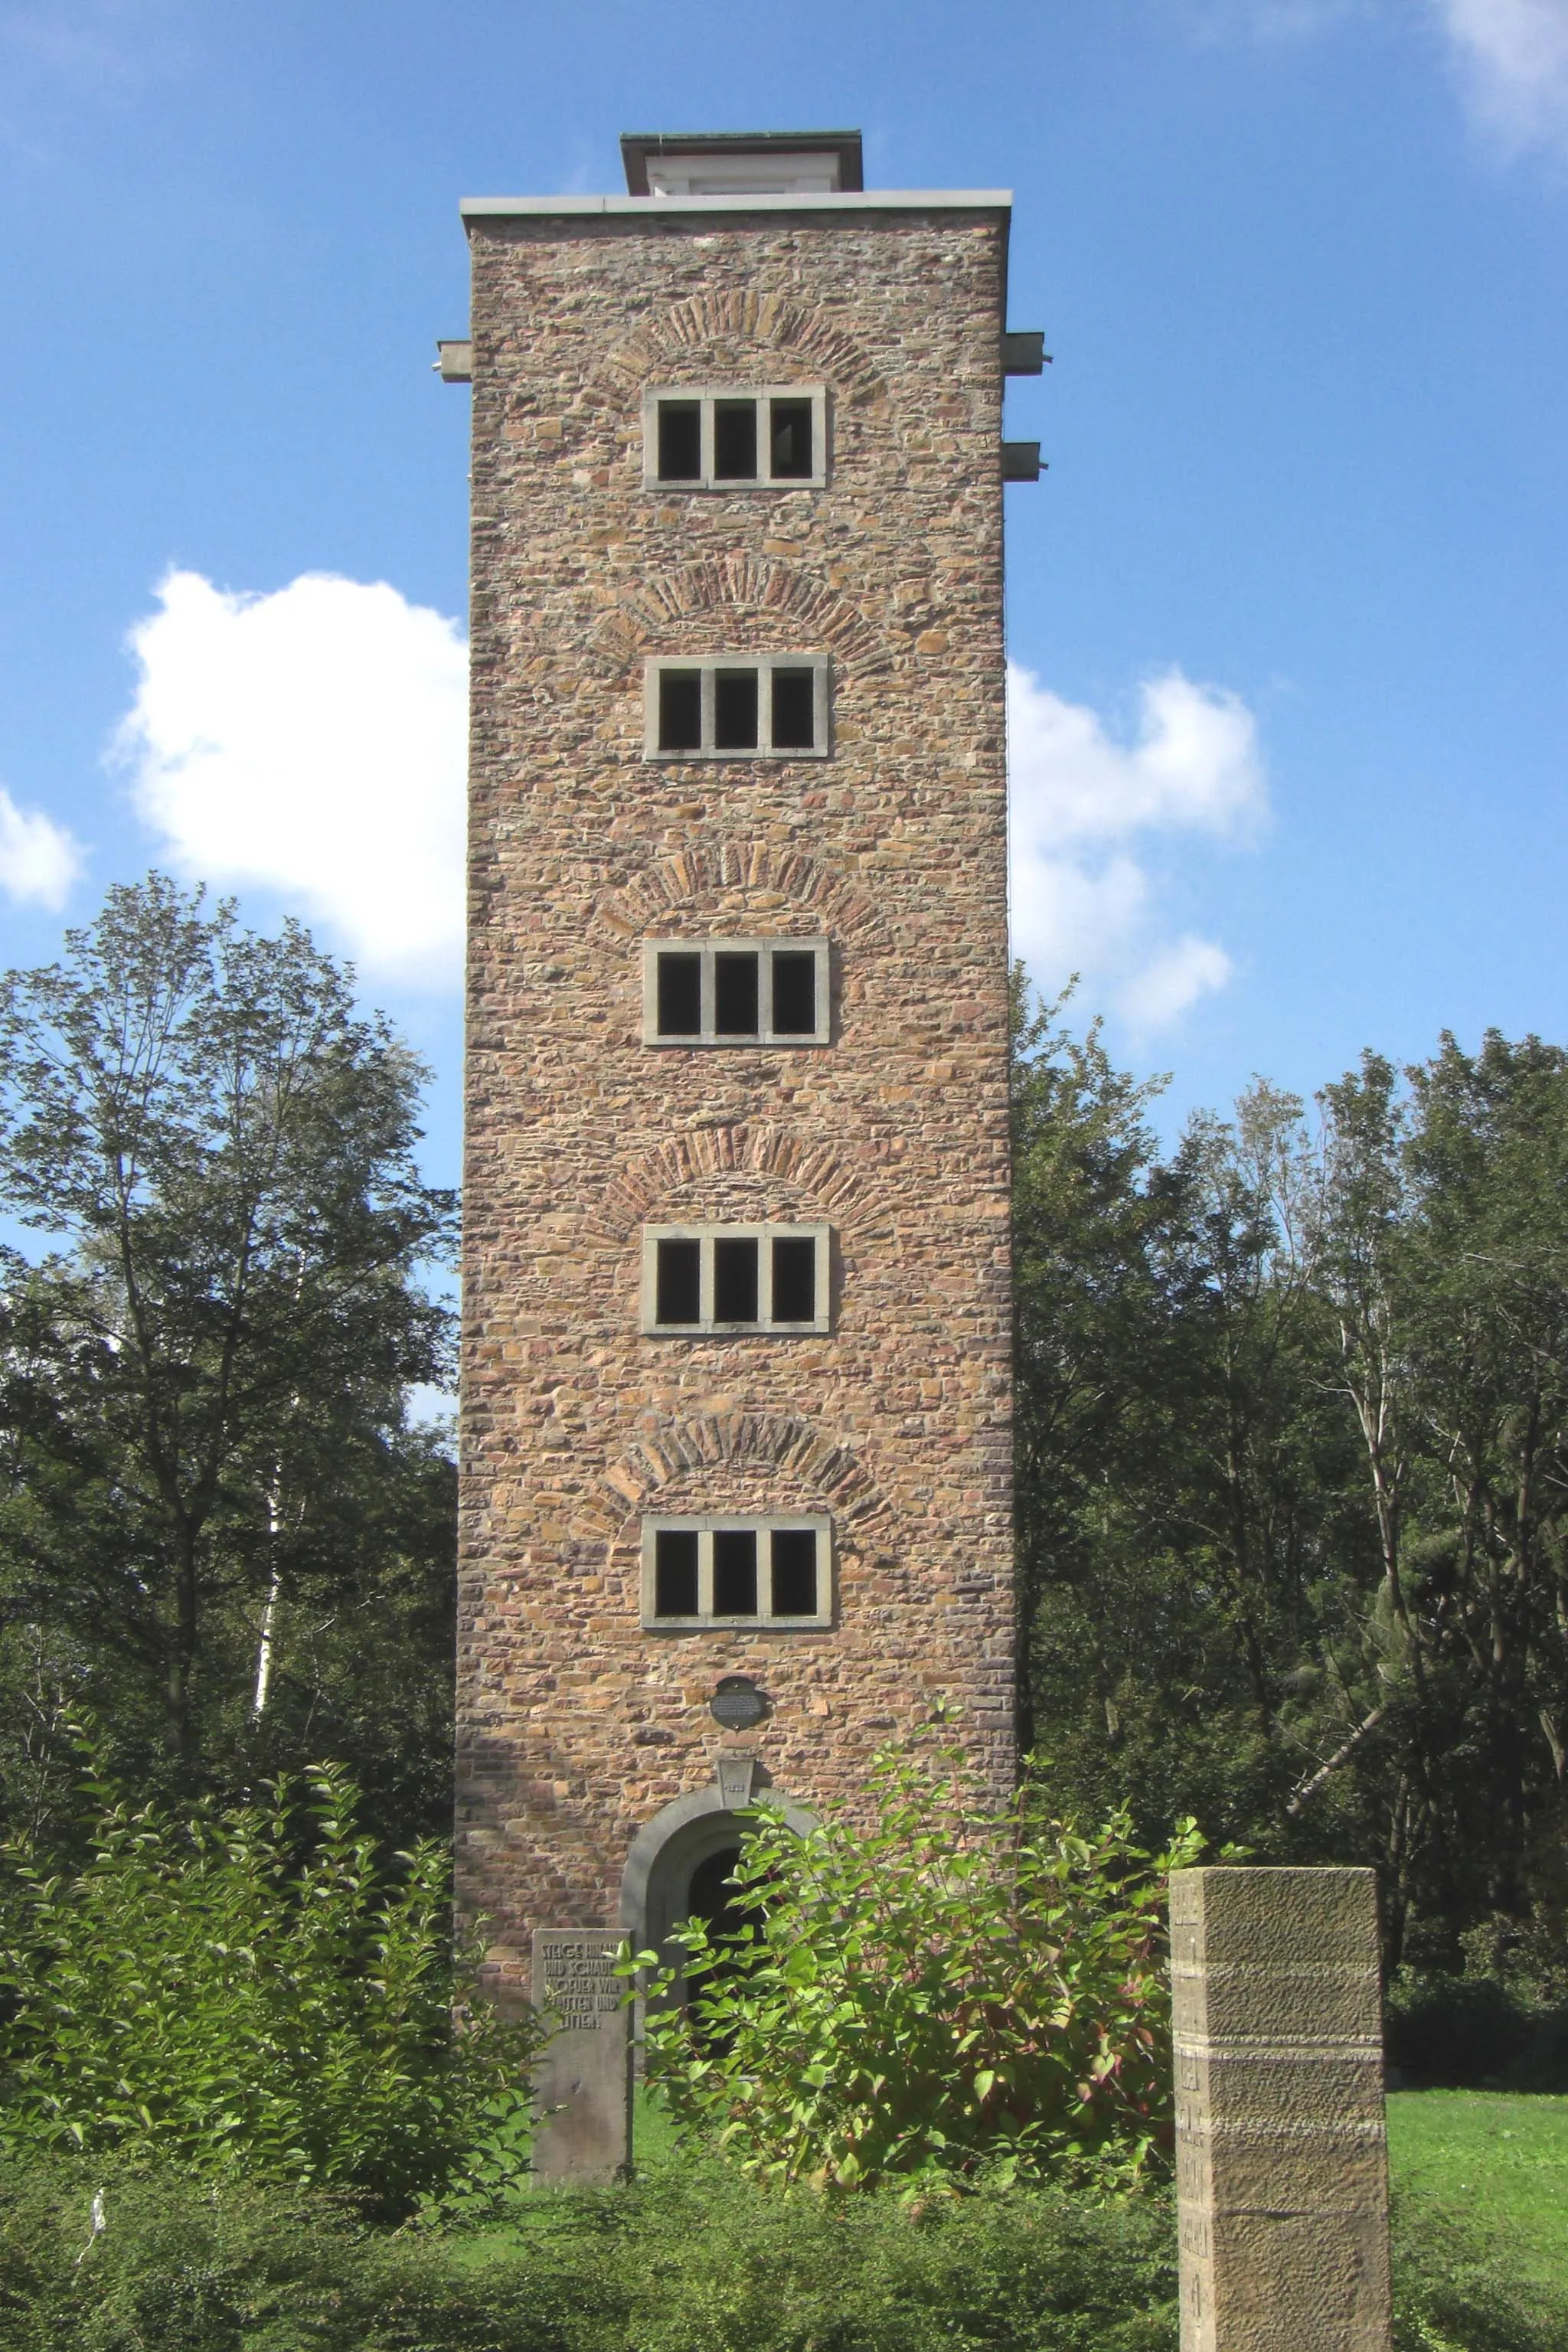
575, 1978
582, 2077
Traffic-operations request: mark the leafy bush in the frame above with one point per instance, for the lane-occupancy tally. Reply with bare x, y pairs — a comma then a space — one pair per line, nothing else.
187, 2265
714, 2264
692, 2259
956, 1988
1465, 2032
248, 1989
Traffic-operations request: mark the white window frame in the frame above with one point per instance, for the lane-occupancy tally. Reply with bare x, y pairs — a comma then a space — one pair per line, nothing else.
764, 950
705, 1235
707, 667
705, 397
704, 1527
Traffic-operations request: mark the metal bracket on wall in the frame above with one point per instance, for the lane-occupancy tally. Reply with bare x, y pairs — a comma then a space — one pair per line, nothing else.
1024, 354
1021, 461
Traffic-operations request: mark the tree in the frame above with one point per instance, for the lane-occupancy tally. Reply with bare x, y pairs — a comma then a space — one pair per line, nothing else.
1292, 1411
1488, 1158
1174, 1512
1084, 1313
203, 1383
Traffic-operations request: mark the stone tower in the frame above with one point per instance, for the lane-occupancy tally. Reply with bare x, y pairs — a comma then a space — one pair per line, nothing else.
736, 1442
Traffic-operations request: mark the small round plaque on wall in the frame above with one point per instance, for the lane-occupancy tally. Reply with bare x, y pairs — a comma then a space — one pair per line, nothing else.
737, 1703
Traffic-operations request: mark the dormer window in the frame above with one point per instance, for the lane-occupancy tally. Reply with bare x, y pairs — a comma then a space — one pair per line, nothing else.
742, 175
735, 164
754, 706
773, 436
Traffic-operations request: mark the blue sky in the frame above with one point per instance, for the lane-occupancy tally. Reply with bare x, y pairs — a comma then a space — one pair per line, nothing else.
1288, 609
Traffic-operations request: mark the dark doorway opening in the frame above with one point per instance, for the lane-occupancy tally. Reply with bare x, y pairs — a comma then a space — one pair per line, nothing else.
711, 1901
725, 1912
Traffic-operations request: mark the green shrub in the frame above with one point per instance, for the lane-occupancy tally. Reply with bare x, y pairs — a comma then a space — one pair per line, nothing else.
956, 1988
186, 2264
693, 2258
1468, 2032
248, 1989
715, 2263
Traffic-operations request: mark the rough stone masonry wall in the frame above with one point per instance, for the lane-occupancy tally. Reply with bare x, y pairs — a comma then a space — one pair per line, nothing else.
576, 1724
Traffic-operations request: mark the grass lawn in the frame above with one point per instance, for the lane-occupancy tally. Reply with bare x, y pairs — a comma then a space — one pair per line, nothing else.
1500, 2159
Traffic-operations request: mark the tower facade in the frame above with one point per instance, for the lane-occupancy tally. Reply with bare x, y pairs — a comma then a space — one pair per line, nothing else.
737, 1501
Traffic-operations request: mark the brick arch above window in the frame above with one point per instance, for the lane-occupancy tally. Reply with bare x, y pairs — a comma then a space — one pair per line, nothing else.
712, 334
722, 875
783, 607
746, 1147
667, 1454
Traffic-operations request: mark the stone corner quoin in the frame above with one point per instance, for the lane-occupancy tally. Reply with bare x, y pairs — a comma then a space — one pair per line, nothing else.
876, 1433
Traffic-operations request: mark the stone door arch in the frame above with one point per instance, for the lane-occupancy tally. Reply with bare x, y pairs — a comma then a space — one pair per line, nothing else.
657, 1881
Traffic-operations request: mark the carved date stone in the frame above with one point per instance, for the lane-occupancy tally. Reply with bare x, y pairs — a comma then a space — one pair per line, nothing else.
1282, 2162
582, 2078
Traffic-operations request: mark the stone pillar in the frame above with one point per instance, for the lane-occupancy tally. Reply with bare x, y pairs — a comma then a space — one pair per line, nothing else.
582, 2078
1281, 2163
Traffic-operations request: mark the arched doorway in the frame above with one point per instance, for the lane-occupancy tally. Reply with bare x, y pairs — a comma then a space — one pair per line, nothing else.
680, 1861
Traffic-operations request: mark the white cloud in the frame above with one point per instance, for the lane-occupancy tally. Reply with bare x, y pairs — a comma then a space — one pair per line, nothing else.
38, 859
1175, 979
1194, 766
1082, 804
312, 741
1513, 57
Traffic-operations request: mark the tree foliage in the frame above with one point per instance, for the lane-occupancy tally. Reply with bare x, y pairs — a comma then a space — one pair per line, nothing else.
1294, 1556
216, 1523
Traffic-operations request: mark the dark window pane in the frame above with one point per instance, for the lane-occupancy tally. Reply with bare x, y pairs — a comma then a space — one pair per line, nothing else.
734, 1282
681, 996
735, 440
794, 725
675, 1572
735, 710
679, 441
794, 994
679, 1283
679, 710
735, 995
795, 1279
734, 1572
791, 439
795, 1573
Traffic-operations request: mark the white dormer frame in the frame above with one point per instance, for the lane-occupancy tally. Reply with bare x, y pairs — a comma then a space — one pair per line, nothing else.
773, 172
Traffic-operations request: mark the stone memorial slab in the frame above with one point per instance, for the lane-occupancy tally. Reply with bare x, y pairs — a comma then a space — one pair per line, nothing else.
1281, 2161
582, 2078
